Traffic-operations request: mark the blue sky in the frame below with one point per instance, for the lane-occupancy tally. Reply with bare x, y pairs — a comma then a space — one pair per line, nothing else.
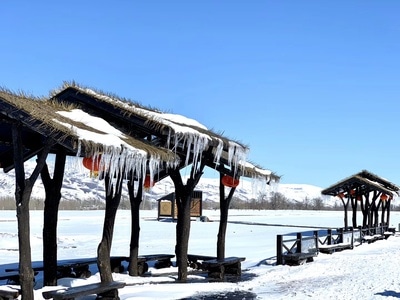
312, 87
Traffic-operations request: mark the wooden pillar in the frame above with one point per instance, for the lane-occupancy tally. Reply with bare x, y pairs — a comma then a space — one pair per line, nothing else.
183, 197
316, 238
113, 199
23, 191
354, 204
52, 188
279, 256
345, 205
341, 234
329, 236
299, 240
223, 223
135, 201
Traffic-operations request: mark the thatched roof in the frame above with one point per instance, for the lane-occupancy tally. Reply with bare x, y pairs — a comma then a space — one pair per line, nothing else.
186, 137
365, 182
42, 119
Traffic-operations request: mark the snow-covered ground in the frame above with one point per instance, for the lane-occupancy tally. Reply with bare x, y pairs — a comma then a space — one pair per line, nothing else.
369, 271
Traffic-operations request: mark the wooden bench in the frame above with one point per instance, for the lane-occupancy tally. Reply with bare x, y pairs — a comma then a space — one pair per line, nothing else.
373, 238
299, 258
74, 268
387, 234
217, 268
8, 293
116, 263
161, 261
329, 249
84, 290
13, 277
195, 261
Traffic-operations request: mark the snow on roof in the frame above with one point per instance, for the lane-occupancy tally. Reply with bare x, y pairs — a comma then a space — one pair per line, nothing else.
116, 152
182, 130
102, 132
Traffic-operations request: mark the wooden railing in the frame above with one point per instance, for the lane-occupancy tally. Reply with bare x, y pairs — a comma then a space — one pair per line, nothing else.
302, 246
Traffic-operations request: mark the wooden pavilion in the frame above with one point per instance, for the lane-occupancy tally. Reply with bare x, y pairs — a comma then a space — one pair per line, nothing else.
194, 144
367, 192
37, 127
152, 145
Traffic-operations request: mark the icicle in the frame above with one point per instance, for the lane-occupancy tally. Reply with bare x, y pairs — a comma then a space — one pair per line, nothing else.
120, 161
169, 138
259, 185
236, 156
218, 152
79, 148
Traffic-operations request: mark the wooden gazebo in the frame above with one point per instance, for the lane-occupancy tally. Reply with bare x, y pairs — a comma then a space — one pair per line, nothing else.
367, 192
151, 144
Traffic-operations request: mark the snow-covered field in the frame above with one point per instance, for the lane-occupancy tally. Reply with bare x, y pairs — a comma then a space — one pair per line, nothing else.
370, 271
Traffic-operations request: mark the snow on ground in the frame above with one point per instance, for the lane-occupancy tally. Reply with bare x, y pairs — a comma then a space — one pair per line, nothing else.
369, 271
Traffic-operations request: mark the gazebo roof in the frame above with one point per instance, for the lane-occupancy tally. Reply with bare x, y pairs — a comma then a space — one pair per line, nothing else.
186, 137
85, 122
70, 128
365, 182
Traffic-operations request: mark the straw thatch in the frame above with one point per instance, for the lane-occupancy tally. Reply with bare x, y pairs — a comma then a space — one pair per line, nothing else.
364, 181
40, 115
153, 122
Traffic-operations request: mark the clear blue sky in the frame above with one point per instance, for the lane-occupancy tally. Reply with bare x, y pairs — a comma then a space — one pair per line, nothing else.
312, 87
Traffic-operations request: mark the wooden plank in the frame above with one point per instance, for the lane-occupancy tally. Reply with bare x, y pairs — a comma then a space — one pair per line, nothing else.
299, 258
163, 260
9, 275
217, 268
329, 249
373, 238
8, 293
72, 263
195, 261
84, 290
150, 257
38, 265
195, 258
225, 261
13, 277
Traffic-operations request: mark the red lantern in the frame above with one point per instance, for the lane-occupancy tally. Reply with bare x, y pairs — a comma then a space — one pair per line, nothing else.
147, 182
352, 192
340, 195
229, 181
384, 197
93, 164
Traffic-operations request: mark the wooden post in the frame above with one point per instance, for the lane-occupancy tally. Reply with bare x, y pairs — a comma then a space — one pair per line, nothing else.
223, 223
316, 238
23, 191
341, 235
329, 237
104, 249
279, 256
352, 238
52, 188
135, 201
298, 248
183, 196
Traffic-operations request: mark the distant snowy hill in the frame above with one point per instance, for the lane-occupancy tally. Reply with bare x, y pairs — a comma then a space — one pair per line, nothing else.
78, 185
